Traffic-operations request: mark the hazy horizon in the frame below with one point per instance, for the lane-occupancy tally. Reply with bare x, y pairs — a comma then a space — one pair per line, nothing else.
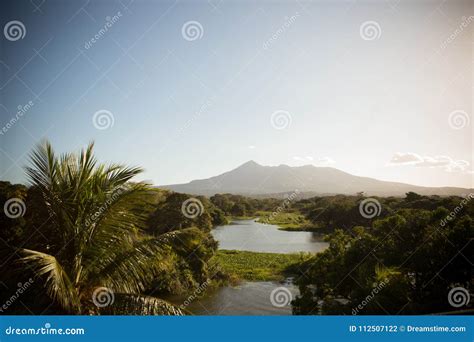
296, 166
190, 90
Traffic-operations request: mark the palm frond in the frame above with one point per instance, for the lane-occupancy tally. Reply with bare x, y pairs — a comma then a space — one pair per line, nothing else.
126, 304
58, 284
44, 163
97, 220
383, 274
132, 268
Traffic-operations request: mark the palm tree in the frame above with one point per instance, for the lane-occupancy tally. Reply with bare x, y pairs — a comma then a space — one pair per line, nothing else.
97, 258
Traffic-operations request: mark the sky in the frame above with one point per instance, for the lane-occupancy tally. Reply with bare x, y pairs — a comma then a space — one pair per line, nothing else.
191, 89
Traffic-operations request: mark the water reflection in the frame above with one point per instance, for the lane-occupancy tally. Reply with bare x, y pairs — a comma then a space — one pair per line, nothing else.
253, 298
249, 298
248, 235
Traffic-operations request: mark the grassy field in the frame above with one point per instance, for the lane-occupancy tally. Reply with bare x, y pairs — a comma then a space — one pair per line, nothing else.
243, 265
236, 218
285, 220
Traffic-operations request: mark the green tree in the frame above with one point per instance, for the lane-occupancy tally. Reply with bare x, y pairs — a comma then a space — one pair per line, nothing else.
238, 209
417, 259
12, 228
95, 235
173, 214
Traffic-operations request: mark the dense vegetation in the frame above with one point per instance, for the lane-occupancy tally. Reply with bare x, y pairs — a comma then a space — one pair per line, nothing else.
168, 216
343, 212
84, 233
413, 254
411, 251
87, 227
240, 206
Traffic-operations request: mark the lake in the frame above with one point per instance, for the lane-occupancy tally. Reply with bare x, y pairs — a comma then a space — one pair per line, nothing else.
248, 235
255, 298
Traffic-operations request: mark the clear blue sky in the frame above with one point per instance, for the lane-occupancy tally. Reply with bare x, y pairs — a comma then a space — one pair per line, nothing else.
185, 109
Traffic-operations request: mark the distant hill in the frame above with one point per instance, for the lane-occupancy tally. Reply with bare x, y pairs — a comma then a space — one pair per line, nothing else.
252, 179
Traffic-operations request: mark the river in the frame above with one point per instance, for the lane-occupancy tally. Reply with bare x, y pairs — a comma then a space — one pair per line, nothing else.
259, 297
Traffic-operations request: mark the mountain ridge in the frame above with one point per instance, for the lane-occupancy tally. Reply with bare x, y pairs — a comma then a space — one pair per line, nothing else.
253, 179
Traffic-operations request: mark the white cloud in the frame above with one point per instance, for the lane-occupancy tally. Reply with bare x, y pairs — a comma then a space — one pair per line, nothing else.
405, 158
438, 161
459, 166
445, 162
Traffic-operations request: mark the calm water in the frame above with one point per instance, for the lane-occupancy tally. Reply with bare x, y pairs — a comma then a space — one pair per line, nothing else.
254, 298
249, 298
248, 235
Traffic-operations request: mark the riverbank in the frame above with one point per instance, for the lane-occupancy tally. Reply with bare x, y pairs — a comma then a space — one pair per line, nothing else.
257, 266
254, 259
287, 221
